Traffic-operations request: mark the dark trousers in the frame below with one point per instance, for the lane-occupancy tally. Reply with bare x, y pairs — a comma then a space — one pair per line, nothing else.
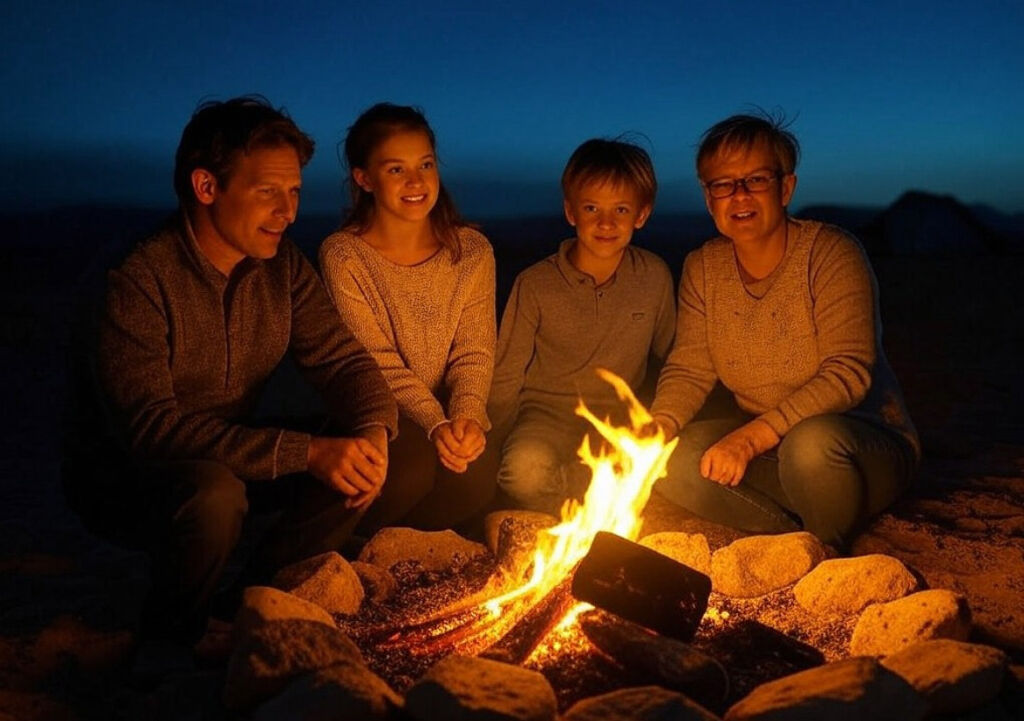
829, 475
421, 493
188, 516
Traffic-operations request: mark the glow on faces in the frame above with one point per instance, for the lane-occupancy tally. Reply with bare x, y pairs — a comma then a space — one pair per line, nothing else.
605, 216
250, 212
402, 175
746, 216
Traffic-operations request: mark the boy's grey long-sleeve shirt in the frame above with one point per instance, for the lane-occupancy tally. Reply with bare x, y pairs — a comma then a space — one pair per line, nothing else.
558, 327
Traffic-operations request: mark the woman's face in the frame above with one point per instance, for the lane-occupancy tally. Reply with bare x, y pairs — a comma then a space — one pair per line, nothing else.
745, 216
402, 176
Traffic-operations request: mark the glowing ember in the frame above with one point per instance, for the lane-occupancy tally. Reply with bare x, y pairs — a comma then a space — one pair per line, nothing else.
621, 483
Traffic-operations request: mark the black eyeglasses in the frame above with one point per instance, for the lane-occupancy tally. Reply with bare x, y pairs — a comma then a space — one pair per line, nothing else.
756, 183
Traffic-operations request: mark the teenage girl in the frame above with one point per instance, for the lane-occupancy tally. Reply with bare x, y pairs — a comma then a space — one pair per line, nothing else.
415, 284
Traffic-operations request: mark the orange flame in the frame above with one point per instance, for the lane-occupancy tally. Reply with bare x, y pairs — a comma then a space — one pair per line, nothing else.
621, 481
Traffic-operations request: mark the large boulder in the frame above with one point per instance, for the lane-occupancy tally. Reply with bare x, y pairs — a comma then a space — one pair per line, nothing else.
854, 688
886, 628
461, 688
430, 550
845, 586
643, 703
951, 675
326, 580
266, 660
690, 549
756, 565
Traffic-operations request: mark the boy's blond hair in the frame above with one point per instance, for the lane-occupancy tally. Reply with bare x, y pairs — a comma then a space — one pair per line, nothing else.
611, 161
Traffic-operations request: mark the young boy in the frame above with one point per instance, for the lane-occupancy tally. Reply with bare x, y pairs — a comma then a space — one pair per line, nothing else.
597, 303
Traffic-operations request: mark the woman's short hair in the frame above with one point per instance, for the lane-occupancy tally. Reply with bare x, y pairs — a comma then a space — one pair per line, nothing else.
747, 131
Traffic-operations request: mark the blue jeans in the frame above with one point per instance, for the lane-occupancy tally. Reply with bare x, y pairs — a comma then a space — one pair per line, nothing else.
829, 475
539, 467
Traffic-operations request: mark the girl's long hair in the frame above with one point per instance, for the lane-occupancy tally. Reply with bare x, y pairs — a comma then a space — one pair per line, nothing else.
371, 129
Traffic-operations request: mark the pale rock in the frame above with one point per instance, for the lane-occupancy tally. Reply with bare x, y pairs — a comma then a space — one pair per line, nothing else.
263, 604
644, 703
845, 586
326, 580
431, 550
378, 583
345, 691
461, 688
525, 523
953, 676
270, 657
854, 688
756, 565
690, 549
886, 628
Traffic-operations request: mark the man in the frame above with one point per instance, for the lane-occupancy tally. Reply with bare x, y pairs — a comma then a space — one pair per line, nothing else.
165, 453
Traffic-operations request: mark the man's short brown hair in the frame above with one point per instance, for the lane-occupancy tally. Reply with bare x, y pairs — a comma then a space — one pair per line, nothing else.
746, 132
220, 130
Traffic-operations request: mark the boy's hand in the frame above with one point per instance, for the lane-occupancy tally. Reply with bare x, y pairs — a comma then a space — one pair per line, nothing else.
355, 467
447, 446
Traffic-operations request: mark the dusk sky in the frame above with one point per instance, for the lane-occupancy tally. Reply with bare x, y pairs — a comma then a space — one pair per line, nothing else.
923, 95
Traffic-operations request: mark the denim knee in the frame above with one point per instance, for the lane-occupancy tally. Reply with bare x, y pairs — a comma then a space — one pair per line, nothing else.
815, 446
530, 473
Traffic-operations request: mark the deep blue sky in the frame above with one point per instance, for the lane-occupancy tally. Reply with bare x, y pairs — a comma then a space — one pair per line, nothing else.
926, 95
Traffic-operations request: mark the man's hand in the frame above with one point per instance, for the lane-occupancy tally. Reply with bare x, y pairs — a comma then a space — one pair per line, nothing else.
726, 461
354, 466
459, 443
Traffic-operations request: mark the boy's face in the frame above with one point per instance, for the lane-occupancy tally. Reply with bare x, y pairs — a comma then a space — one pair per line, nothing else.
605, 216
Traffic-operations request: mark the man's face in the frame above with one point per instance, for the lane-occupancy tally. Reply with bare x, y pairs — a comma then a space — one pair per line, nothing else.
605, 217
746, 216
251, 210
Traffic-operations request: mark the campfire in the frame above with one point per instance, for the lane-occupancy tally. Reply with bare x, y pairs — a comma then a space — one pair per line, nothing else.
537, 594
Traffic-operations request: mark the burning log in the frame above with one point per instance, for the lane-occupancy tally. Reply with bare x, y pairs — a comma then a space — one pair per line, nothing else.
517, 645
649, 658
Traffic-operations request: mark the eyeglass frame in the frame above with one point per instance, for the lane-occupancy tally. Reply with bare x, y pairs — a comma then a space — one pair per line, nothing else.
774, 176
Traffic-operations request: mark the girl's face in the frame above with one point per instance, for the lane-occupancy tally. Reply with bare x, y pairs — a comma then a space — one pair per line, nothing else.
402, 176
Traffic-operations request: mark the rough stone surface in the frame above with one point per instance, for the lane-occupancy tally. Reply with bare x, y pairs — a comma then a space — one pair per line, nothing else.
650, 658
326, 580
854, 688
845, 586
512, 535
643, 703
345, 691
461, 688
431, 550
690, 549
968, 537
377, 582
951, 675
262, 604
757, 565
528, 521
887, 628
271, 656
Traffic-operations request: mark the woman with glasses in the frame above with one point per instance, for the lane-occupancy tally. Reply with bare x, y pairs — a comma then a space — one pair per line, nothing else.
784, 312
